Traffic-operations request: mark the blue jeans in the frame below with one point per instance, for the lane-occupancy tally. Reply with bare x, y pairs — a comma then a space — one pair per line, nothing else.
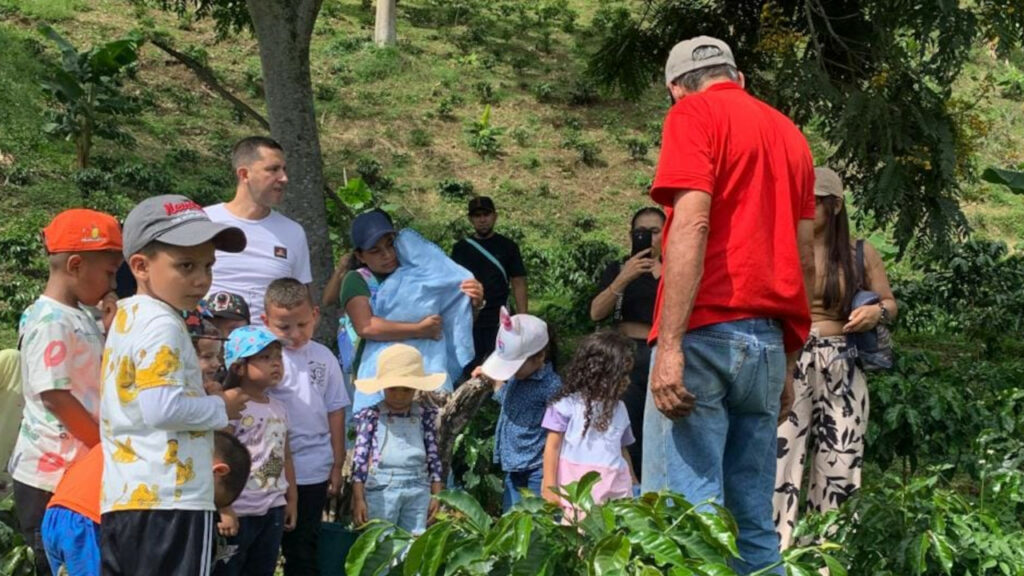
401, 500
726, 449
72, 541
257, 545
514, 481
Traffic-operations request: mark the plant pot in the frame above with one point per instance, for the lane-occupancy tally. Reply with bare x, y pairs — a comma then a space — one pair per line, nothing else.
335, 542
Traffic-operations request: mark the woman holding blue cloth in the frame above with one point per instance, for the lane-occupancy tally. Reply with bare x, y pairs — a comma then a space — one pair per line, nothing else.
850, 298
406, 289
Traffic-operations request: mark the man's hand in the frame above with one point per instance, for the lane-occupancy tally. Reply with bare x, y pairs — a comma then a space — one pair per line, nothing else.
228, 525
670, 396
334, 484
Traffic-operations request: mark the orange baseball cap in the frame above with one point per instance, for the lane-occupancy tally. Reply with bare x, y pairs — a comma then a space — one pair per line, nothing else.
82, 230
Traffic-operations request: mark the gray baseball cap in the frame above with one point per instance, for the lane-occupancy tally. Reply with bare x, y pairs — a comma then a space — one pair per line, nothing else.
696, 53
827, 183
178, 221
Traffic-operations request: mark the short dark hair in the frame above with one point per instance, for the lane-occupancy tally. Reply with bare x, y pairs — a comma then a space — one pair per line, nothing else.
247, 150
232, 452
646, 210
287, 293
695, 79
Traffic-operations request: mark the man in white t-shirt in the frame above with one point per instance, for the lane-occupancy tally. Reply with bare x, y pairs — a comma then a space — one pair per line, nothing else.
276, 245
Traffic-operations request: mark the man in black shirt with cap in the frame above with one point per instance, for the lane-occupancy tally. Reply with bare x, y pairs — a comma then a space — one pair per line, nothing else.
496, 262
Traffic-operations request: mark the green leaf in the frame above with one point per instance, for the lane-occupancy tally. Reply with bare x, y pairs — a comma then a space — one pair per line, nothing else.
68, 53
798, 570
611, 556
835, 568
355, 194
364, 546
1012, 179
427, 552
918, 560
467, 506
111, 58
943, 551
715, 569
718, 530
523, 531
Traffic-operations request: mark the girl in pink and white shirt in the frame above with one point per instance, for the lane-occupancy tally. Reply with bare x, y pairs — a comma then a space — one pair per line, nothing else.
587, 423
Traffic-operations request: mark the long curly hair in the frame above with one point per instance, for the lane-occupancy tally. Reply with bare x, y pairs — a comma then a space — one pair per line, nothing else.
599, 373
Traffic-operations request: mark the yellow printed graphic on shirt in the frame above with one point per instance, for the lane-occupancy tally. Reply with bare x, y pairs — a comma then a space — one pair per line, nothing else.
121, 319
160, 371
171, 456
185, 472
142, 498
126, 390
124, 453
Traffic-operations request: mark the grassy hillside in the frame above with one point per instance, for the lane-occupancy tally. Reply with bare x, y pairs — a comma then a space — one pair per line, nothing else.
572, 163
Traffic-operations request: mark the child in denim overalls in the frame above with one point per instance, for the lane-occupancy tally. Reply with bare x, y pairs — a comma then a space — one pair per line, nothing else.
395, 467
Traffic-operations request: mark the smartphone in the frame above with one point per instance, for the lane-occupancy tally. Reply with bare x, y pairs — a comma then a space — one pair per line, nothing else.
641, 241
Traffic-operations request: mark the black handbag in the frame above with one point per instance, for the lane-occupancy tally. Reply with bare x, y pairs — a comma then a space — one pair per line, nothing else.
871, 350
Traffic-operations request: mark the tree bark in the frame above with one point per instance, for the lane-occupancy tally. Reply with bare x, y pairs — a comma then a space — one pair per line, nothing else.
284, 29
384, 29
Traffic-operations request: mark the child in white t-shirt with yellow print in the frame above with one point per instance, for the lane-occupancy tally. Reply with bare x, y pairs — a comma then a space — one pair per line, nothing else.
156, 420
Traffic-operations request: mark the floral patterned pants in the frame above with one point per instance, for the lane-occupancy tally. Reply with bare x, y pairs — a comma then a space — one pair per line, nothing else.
829, 416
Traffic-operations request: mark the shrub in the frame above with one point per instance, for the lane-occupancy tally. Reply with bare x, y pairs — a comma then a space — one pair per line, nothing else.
148, 179
486, 93
183, 155
372, 173
522, 136
92, 180
583, 93
656, 534
637, 148
484, 138
544, 92
420, 138
446, 107
452, 189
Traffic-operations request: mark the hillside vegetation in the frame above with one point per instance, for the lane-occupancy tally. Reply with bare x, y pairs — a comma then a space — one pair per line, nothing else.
565, 162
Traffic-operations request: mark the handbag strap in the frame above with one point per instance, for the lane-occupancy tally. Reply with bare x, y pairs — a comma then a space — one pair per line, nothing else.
489, 256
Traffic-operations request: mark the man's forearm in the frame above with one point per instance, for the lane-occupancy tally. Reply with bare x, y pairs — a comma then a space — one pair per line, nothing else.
683, 268
336, 423
519, 293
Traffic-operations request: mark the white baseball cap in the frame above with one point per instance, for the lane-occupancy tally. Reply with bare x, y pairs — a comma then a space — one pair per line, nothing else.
519, 337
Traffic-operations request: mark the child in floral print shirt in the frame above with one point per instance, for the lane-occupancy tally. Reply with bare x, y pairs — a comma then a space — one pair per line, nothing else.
396, 467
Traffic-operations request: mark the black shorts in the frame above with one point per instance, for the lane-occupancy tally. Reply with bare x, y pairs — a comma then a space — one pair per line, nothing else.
164, 542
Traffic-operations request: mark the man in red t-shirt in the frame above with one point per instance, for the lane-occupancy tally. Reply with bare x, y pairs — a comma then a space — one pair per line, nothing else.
737, 181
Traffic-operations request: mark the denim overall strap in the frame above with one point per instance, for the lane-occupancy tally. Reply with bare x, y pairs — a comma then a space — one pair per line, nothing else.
400, 445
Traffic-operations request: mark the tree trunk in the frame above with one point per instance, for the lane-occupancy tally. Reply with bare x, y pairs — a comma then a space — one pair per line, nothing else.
284, 29
384, 33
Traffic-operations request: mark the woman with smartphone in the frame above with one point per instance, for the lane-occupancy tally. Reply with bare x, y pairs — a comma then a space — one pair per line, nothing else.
627, 293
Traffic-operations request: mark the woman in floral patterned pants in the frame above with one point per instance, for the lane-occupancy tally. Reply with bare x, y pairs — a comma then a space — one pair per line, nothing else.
830, 410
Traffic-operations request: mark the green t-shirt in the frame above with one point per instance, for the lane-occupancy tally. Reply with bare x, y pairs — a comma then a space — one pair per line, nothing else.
352, 285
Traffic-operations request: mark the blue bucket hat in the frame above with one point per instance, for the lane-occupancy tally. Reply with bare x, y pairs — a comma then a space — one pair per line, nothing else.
247, 341
369, 227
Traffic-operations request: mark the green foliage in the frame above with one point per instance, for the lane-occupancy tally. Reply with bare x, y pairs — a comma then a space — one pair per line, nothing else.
473, 459
447, 105
16, 557
637, 147
1011, 84
976, 289
925, 526
87, 92
588, 150
484, 138
457, 190
372, 173
356, 194
875, 77
1012, 179
656, 534
420, 138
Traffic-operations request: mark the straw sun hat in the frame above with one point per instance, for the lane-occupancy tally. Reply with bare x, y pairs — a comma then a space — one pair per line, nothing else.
400, 365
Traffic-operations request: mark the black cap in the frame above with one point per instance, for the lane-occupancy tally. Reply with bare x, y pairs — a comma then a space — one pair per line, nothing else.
481, 204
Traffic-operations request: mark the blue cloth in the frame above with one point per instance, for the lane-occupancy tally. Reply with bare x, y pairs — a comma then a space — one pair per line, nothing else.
516, 481
72, 541
426, 282
397, 488
726, 449
255, 548
519, 438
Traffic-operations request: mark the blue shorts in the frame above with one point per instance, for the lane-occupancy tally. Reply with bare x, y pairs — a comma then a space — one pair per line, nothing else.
72, 541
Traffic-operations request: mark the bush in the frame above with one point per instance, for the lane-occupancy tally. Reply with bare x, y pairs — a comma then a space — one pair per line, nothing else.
637, 148
457, 190
446, 107
420, 138
657, 534
484, 138
372, 173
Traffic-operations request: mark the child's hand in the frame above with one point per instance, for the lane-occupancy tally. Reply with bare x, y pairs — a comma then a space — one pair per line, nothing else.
235, 404
432, 510
291, 514
213, 388
359, 515
228, 525
430, 327
108, 309
549, 495
334, 484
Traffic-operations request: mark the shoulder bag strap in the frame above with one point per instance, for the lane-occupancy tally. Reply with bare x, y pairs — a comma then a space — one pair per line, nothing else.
489, 256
